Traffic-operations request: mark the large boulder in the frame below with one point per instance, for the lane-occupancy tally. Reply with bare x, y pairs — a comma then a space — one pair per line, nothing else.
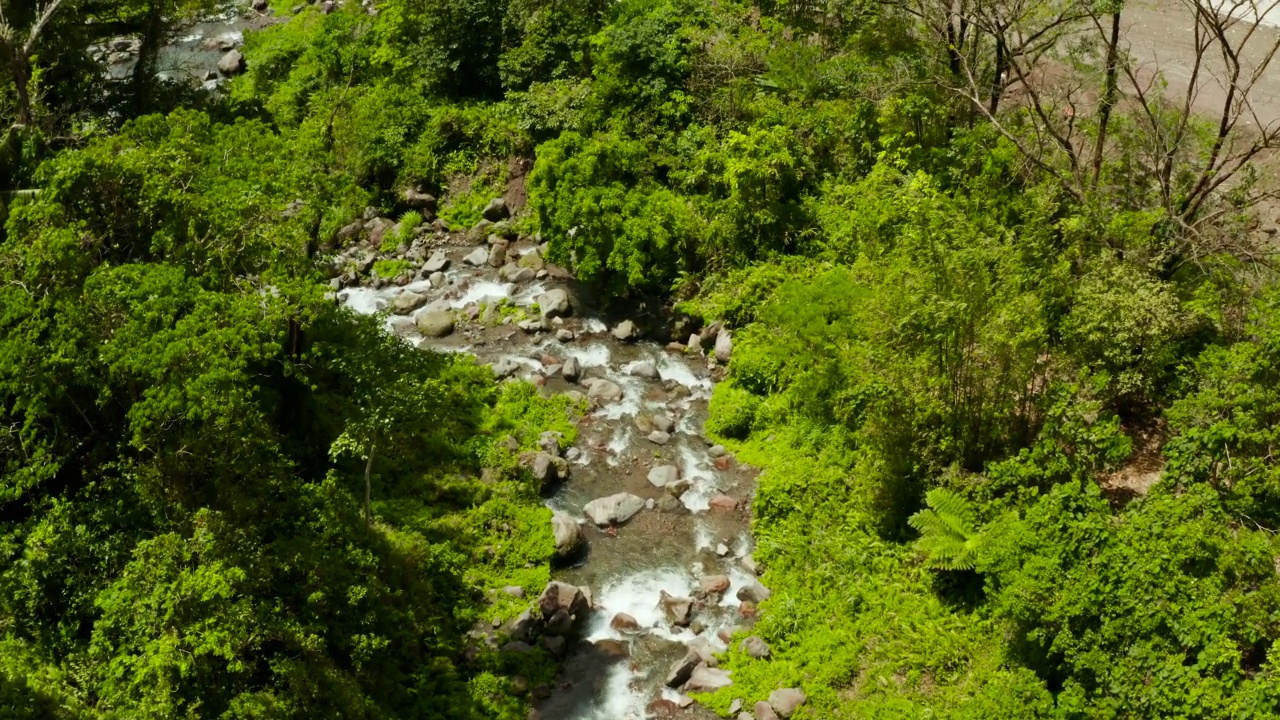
571, 370
786, 701
625, 623
416, 198
707, 679
436, 323
626, 330
478, 257
554, 303
564, 607
436, 263
679, 610
604, 391
681, 670
724, 346
567, 532
496, 210
613, 509
232, 63
645, 369
663, 475
714, 584
542, 467
406, 302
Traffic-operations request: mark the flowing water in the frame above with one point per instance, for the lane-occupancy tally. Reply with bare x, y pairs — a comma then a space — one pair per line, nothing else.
610, 675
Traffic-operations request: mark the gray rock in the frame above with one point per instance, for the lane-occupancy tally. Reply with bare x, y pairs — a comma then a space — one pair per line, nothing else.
554, 303
406, 302
645, 369
741, 715
664, 475
724, 346
722, 550
677, 488
498, 254
571, 370
496, 210
735, 706
478, 257
402, 326
567, 532
232, 63
707, 679
659, 437
749, 563
415, 198
624, 623
670, 504
613, 509
505, 368
717, 451
436, 263
549, 442
678, 610
604, 391
755, 592
531, 325
543, 469
560, 600
663, 422
436, 323
700, 648
437, 279
786, 701
626, 330
523, 628
564, 335
553, 644
681, 670
764, 711
756, 648
516, 274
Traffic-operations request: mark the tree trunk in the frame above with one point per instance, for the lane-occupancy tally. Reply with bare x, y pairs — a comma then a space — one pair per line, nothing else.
1109, 95
368, 490
154, 30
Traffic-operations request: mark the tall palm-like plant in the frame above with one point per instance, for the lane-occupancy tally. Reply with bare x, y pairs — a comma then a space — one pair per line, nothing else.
947, 533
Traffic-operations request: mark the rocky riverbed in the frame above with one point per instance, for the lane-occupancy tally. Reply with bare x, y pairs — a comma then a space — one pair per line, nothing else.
652, 519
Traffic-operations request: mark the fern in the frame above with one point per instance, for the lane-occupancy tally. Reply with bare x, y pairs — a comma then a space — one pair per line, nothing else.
948, 537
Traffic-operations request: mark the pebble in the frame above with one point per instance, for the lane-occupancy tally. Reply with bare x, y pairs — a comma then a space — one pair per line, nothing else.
660, 438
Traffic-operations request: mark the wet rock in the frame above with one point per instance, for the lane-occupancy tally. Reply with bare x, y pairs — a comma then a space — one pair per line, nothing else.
644, 424
571, 370
438, 280
749, 562
402, 326
723, 463
645, 369
722, 550
700, 648
603, 391
723, 503
419, 200
661, 708
231, 64
663, 422
716, 584
684, 702
567, 532
786, 701
717, 451
724, 346
756, 648
726, 634
407, 302
755, 592
681, 670
707, 679
670, 504
677, 488
747, 609
659, 438
435, 324
626, 331
624, 623
478, 257
564, 335
612, 649
554, 303
436, 263
496, 210
663, 475
763, 711
613, 509
679, 610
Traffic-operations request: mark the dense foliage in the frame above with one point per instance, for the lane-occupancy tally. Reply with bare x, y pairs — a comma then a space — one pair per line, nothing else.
1015, 398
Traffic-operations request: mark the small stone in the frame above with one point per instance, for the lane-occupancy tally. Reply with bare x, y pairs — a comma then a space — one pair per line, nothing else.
677, 488
543, 470
747, 609
678, 610
764, 711
663, 422
717, 451
670, 504
437, 279
604, 391
571, 370
645, 369
659, 438
564, 335
707, 679
722, 550
406, 302
436, 263
749, 562
735, 706
724, 346
681, 670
